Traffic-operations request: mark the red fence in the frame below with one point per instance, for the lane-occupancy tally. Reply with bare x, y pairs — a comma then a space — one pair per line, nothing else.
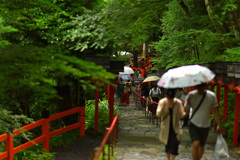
110, 138
144, 66
148, 106
46, 134
140, 101
228, 88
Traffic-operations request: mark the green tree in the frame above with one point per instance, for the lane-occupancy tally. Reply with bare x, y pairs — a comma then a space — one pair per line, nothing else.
197, 31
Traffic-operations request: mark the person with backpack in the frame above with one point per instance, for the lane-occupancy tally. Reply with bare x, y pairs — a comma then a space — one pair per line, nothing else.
170, 110
202, 102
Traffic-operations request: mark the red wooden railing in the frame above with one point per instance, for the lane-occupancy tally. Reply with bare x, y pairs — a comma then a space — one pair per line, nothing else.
232, 88
145, 66
149, 107
140, 101
110, 139
46, 134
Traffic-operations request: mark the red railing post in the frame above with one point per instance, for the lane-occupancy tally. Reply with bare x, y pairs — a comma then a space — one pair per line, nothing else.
150, 63
225, 104
45, 132
9, 146
212, 88
218, 95
236, 119
96, 107
82, 122
107, 91
111, 104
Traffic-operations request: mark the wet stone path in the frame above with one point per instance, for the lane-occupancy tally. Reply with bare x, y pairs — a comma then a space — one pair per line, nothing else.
138, 139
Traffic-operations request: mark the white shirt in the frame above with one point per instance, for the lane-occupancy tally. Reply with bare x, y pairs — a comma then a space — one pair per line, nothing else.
155, 93
202, 116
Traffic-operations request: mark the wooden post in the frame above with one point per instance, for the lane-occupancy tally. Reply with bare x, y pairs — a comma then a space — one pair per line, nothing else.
212, 88
225, 104
45, 132
111, 104
96, 107
9, 146
236, 119
107, 91
82, 121
150, 63
218, 95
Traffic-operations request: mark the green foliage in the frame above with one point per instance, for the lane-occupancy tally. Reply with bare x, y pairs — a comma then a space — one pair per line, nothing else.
231, 54
4, 30
64, 139
9, 122
35, 152
192, 35
134, 21
87, 31
106, 149
103, 114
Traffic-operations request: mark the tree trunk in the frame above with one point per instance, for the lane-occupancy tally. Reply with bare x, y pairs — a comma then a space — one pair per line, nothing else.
135, 58
185, 8
25, 108
65, 102
235, 23
215, 22
197, 52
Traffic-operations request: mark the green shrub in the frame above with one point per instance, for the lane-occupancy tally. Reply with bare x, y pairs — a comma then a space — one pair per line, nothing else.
35, 152
103, 113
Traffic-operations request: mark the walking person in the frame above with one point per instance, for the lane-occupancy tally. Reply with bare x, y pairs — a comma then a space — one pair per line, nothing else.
154, 96
125, 98
155, 93
120, 90
170, 111
202, 102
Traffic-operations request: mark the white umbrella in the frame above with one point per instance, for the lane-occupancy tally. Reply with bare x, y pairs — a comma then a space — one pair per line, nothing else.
185, 76
151, 78
127, 70
125, 76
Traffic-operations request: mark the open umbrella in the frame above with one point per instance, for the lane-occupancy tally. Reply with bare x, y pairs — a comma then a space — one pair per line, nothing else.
125, 76
127, 70
185, 76
151, 78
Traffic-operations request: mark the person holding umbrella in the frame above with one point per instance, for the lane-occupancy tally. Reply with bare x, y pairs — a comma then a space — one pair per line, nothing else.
170, 111
202, 102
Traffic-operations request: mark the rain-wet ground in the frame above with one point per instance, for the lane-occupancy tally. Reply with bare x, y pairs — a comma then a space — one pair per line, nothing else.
138, 139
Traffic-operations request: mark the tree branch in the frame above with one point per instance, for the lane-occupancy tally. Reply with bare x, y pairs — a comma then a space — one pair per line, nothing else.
217, 25
235, 23
184, 7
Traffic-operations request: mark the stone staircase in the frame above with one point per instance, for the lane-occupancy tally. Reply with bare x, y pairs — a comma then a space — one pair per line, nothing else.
138, 139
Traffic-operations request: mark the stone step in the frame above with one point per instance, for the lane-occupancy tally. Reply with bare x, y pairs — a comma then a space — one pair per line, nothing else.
138, 139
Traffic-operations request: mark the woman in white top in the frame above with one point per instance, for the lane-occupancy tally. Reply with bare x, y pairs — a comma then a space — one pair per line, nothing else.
155, 94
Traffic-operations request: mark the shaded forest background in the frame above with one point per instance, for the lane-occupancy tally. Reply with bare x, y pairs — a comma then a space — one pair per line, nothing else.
43, 45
